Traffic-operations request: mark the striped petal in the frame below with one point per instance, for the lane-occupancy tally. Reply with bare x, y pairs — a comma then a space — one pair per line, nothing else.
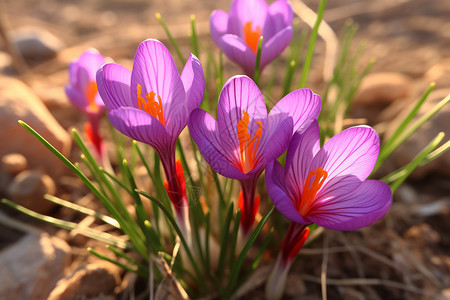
275, 183
113, 82
204, 131
356, 209
140, 126
354, 152
155, 70
302, 105
193, 82
239, 94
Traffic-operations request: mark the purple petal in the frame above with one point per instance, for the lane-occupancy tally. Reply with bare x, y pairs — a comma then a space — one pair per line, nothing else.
218, 24
242, 11
301, 151
194, 82
155, 70
140, 126
76, 98
277, 192
204, 131
354, 151
280, 16
91, 60
239, 94
239, 52
357, 209
113, 82
302, 105
273, 47
275, 141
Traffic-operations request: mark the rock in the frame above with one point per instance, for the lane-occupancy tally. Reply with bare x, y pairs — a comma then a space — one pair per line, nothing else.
32, 266
5, 62
28, 189
378, 91
419, 139
36, 43
88, 281
18, 102
13, 163
383, 88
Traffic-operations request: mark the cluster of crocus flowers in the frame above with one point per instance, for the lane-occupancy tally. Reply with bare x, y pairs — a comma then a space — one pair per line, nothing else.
244, 139
83, 93
327, 186
238, 32
151, 104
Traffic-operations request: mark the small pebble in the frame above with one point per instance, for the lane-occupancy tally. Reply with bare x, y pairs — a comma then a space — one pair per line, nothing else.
13, 163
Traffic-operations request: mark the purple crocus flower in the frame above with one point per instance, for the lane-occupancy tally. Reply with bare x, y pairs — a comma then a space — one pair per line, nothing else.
238, 32
82, 92
245, 138
326, 186
151, 104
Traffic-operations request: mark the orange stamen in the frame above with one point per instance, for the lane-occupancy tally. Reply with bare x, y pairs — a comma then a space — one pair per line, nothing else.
90, 92
150, 105
251, 37
310, 189
248, 145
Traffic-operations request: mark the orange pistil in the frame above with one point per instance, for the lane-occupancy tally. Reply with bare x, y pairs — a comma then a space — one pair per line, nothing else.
310, 189
248, 145
90, 92
150, 105
251, 37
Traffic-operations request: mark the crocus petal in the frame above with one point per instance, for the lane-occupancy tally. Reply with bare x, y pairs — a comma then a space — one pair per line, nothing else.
277, 193
357, 209
301, 151
242, 11
91, 60
76, 98
193, 82
275, 142
140, 126
239, 52
204, 131
155, 70
273, 47
218, 24
280, 15
353, 151
239, 94
302, 105
113, 82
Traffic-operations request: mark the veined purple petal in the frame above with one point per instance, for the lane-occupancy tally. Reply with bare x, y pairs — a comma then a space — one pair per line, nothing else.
301, 151
357, 209
302, 105
218, 24
76, 98
155, 70
239, 94
113, 83
274, 141
239, 52
354, 151
140, 126
193, 82
242, 11
275, 45
204, 131
277, 192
